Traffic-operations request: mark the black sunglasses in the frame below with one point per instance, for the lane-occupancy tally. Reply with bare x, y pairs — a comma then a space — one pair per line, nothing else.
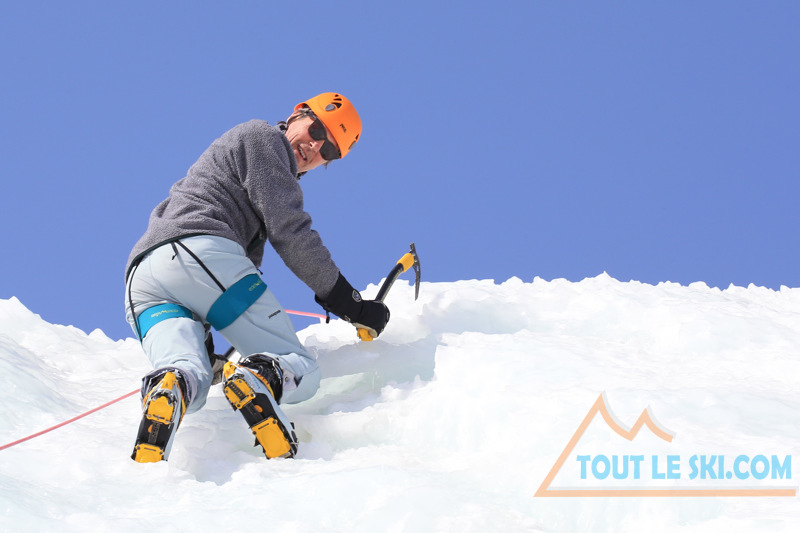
328, 151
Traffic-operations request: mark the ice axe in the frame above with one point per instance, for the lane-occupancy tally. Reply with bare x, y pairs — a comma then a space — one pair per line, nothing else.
409, 260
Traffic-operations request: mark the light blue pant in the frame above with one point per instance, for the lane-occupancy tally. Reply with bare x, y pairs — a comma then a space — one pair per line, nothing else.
170, 275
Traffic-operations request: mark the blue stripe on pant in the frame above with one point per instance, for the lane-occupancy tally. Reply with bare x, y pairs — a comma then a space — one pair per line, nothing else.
152, 316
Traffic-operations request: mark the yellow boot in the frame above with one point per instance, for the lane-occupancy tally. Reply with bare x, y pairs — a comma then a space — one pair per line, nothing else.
253, 387
162, 412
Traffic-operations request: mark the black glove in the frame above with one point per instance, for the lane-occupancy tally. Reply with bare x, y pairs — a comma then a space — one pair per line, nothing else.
345, 302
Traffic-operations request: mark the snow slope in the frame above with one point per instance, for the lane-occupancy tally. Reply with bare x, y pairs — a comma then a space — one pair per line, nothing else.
450, 421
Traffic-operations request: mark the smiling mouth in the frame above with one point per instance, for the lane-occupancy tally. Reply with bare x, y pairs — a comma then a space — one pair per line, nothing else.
302, 153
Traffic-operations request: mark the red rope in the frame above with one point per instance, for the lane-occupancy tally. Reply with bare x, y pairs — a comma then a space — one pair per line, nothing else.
29, 437
306, 313
87, 413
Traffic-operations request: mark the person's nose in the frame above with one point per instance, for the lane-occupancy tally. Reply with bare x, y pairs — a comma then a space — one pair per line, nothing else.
313, 143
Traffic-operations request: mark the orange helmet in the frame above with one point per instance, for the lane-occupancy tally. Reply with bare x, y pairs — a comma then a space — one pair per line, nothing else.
339, 116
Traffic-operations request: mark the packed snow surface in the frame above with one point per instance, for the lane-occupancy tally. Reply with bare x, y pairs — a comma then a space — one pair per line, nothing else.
450, 421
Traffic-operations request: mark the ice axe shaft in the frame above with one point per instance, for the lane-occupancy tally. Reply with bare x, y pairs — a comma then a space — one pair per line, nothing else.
409, 260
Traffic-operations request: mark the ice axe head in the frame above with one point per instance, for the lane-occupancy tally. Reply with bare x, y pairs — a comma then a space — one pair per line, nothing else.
411, 260
417, 270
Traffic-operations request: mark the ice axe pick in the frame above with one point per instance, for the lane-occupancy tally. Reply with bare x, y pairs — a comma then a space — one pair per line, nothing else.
409, 260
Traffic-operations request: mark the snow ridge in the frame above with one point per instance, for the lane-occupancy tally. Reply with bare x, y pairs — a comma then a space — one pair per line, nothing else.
450, 421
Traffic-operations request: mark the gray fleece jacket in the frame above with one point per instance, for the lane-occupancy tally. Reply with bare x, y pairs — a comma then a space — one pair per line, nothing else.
244, 188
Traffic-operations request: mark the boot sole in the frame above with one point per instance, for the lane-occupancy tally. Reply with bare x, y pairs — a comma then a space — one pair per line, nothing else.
261, 415
157, 426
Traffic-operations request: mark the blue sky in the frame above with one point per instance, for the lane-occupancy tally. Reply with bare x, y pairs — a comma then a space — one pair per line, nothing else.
655, 141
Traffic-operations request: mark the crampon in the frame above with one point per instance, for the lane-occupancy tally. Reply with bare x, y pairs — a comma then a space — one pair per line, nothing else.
250, 394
